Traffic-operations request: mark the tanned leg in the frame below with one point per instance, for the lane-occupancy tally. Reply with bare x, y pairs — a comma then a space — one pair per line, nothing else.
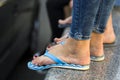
109, 34
96, 44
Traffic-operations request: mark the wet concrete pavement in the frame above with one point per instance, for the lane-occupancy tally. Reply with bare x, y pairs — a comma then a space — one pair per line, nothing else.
109, 69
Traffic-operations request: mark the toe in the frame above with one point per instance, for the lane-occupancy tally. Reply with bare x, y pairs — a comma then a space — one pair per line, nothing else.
42, 60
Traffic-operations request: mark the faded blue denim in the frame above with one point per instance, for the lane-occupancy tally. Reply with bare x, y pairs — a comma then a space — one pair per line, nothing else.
117, 3
89, 16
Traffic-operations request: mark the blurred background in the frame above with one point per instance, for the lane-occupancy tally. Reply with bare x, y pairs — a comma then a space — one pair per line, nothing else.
26, 28
21, 36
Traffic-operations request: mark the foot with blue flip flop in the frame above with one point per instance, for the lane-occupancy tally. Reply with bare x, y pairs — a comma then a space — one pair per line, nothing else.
73, 54
63, 56
58, 64
92, 58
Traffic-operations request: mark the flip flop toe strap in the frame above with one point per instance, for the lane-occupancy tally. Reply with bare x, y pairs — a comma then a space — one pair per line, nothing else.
54, 58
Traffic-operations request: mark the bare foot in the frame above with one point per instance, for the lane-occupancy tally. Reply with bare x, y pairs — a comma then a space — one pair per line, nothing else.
63, 38
96, 45
109, 34
73, 51
66, 21
57, 41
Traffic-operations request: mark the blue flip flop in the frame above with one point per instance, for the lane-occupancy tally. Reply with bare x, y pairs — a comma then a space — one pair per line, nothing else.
58, 64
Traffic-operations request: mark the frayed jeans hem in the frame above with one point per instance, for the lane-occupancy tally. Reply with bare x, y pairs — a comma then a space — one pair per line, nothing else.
79, 37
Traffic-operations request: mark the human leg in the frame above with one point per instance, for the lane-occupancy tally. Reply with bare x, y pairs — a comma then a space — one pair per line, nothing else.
76, 49
109, 34
99, 28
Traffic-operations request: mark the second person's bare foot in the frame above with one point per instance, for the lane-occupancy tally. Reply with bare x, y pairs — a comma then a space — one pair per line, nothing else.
66, 21
96, 45
109, 34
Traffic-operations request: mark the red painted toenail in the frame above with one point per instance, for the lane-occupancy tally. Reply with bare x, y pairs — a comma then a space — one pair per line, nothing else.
49, 46
35, 56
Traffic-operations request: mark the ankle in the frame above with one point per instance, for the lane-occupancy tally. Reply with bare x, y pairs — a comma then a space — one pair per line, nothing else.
109, 37
96, 45
79, 49
78, 44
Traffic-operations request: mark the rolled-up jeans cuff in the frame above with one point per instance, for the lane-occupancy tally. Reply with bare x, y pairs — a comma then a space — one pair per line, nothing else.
78, 36
98, 30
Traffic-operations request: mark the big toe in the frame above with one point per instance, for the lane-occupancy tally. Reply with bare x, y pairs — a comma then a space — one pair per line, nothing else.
42, 60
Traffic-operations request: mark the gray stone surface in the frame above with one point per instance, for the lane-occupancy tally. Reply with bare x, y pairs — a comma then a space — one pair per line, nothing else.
109, 69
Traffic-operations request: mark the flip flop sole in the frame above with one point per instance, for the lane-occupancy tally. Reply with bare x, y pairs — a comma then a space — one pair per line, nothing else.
64, 66
97, 59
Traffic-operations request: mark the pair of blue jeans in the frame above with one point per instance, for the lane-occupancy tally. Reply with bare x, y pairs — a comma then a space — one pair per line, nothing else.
89, 16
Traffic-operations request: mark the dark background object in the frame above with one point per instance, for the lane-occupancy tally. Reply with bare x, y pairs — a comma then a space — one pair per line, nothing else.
17, 18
